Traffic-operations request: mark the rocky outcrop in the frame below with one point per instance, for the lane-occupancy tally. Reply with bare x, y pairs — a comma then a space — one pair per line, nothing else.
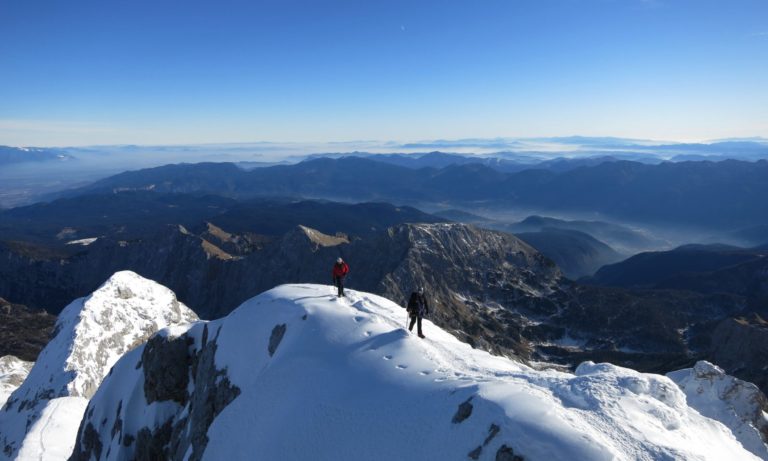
177, 374
23, 331
91, 334
13, 372
737, 404
740, 346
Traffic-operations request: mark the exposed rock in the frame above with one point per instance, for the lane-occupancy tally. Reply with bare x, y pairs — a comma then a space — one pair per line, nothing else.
740, 346
493, 431
152, 444
179, 434
275, 338
213, 392
506, 453
464, 411
166, 365
90, 444
324, 240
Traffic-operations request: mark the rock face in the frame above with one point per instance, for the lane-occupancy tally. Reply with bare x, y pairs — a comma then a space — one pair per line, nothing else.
179, 376
13, 372
741, 344
345, 381
91, 334
478, 281
23, 331
737, 404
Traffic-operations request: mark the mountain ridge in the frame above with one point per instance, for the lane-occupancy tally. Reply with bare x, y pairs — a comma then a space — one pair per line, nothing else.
682, 193
362, 374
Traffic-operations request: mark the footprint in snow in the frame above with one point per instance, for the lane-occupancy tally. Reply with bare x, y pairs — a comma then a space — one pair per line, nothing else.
387, 357
368, 333
358, 318
402, 367
424, 373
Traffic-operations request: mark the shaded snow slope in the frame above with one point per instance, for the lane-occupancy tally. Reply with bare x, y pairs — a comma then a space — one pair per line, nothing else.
297, 373
91, 334
13, 372
737, 404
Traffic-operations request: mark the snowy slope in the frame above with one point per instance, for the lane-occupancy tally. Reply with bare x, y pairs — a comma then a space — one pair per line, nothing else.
737, 404
13, 372
296, 374
92, 333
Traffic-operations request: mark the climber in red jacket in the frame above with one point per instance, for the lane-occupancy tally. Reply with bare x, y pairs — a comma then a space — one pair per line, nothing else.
340, 270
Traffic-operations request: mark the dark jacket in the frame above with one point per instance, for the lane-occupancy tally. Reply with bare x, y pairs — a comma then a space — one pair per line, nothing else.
417, 305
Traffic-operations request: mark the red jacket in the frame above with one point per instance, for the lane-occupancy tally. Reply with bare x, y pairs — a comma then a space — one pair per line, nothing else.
340, 270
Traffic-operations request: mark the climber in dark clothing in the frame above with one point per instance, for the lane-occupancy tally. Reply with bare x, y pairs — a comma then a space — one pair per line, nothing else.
417, 309
340, 270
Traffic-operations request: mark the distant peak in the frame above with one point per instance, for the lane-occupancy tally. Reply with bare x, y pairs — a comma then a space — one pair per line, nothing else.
320, 239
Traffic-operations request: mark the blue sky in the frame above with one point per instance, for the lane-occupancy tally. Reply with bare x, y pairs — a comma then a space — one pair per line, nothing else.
172, 72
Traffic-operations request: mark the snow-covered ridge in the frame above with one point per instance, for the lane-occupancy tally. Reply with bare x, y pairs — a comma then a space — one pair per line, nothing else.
298, 372
91, 334
736, 403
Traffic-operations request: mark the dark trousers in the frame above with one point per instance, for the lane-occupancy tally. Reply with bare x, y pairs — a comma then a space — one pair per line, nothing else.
415, 319
339, 282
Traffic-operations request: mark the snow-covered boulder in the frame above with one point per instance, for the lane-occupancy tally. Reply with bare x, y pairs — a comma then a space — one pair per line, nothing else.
91, 334
13, 372
738, 404
297, 373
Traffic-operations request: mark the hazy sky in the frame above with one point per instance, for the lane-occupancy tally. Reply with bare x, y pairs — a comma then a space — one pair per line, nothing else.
147, 72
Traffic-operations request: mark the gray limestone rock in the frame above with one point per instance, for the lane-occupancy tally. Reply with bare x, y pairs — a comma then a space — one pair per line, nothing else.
464, 411
275, 338
166, 369
170, 367
506, 453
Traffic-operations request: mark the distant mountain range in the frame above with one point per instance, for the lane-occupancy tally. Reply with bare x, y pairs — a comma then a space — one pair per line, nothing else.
11, 155
714, 195
578, 253
668, 269
132, 214
623, 239
46, 171
503, 162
